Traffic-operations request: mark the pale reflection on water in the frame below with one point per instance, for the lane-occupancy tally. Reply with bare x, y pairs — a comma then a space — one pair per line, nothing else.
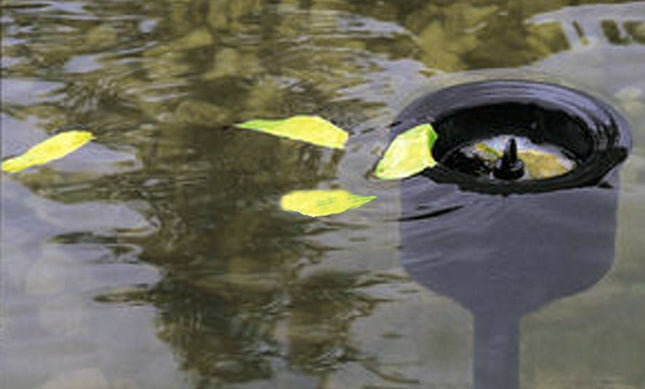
157, 256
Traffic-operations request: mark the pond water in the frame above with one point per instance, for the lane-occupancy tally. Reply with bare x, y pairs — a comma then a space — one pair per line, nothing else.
158, 257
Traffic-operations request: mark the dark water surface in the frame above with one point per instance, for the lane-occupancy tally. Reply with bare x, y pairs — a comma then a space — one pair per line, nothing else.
158, 257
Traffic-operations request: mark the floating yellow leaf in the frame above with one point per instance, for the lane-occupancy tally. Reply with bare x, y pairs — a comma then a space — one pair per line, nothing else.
50, 149
541, 165
311, 129
316, 203
409, 154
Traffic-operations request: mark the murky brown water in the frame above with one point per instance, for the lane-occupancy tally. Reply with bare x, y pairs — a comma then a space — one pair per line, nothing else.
158, 257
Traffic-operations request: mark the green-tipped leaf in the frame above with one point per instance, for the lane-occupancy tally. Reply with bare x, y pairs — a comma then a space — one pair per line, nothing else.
310, 129
409, 154
50, 149
317, 203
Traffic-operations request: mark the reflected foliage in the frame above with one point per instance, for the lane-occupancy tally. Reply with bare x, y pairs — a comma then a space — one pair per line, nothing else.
165, 81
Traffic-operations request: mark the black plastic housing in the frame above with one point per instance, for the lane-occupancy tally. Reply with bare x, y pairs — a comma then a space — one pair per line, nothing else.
504, 248
593, 133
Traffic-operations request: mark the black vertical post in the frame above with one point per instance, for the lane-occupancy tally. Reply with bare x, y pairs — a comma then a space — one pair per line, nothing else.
496, 362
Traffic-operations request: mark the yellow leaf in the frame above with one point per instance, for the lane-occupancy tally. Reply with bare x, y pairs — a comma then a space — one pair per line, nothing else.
409, 154
310, 129
316, 203
50, 149
541, 165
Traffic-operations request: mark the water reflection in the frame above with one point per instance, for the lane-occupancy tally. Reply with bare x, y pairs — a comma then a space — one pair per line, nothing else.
245, 294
